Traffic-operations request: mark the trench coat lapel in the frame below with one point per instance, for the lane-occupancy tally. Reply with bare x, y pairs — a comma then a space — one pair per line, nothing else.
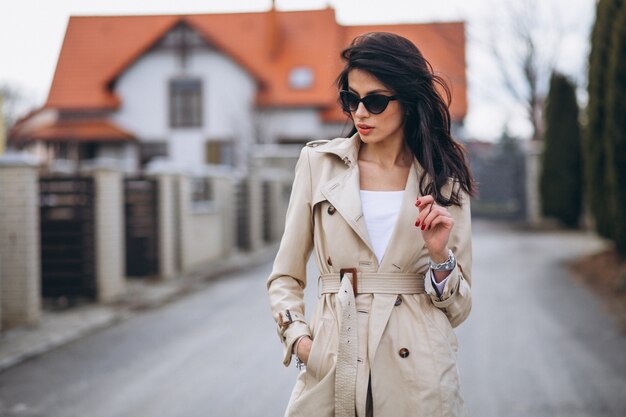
397, 256
343, 192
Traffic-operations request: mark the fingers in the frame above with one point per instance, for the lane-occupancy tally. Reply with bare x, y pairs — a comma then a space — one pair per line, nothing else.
440, 220
432, 214
424, 200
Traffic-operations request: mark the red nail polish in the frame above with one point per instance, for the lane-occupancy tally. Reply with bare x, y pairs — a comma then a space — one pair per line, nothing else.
423, 227
417, 204
417, 223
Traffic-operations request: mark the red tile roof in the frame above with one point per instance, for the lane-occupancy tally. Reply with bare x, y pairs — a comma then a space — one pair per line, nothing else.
98, 49
92, 130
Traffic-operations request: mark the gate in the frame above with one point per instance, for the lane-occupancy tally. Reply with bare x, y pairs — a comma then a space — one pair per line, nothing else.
67, 237
268, 213
501, 177
242, 201
142, 226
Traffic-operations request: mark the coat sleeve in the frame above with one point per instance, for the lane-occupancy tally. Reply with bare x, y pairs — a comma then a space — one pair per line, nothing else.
287, 281
456, 298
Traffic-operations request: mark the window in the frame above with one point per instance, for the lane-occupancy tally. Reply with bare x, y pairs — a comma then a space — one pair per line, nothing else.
201, 190
220, 152
202, 194
186, 103
151, 150
301, 78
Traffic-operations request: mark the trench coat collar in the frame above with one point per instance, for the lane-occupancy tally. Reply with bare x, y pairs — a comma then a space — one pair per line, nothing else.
343, 192
347, 149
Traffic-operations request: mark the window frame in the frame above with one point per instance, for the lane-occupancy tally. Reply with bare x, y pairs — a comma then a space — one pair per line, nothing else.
186, 100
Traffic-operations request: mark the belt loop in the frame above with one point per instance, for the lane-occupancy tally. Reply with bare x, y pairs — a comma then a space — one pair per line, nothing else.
354, 279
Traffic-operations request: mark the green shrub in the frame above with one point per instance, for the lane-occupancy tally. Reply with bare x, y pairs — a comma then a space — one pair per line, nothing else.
561, 177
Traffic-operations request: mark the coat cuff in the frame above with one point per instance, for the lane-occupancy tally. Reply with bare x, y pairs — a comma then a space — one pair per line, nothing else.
290, 336
450, 290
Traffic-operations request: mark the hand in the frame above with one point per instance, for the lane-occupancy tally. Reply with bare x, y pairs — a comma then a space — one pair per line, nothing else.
304, 348
436, 223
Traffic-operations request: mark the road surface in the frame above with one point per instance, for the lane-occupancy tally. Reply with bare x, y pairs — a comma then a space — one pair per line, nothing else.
536, 344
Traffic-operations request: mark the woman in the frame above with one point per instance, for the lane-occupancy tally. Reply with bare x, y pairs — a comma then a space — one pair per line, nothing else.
387, 211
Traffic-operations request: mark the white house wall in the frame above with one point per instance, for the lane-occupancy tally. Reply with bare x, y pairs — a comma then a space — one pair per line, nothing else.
125, 154
285, 123
228, 93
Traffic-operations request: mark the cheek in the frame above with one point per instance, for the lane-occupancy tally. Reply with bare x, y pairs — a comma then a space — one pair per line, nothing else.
394, 121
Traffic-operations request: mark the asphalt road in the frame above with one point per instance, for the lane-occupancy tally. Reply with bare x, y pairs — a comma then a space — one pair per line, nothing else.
536, 344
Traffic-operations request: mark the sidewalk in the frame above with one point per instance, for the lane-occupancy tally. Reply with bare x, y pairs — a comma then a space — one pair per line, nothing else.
59, 327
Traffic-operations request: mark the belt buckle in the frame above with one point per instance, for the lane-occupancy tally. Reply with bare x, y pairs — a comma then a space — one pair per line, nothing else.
354, 279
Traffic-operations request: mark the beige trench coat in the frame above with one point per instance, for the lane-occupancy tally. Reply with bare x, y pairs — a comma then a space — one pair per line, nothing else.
404, 341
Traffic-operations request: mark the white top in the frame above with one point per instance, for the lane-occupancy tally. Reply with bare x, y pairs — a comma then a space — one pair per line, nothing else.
380, 212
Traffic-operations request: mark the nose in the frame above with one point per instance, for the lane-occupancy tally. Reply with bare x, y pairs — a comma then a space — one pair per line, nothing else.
361, 111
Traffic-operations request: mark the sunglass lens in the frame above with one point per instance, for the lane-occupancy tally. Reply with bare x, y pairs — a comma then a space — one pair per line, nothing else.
349, 101
375, 103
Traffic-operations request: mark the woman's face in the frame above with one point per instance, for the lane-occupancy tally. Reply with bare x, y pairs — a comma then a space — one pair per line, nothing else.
375, 128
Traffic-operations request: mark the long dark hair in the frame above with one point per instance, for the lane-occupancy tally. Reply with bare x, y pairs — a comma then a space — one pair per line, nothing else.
400, 66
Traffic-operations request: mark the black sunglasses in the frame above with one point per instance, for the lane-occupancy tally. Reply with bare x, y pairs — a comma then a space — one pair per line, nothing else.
374, 103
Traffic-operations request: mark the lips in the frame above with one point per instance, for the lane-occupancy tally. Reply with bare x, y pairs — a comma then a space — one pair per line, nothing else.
363, 128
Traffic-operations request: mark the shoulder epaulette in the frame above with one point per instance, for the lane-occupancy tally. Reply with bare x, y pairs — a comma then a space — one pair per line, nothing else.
314, 143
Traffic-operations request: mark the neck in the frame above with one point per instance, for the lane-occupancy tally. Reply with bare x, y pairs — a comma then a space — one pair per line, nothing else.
387, 154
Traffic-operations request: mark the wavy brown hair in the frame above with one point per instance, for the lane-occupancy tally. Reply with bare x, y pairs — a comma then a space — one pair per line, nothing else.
425, 97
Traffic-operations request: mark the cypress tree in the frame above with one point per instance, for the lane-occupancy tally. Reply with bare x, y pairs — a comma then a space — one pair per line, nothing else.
594, 148
615, 131
561, 178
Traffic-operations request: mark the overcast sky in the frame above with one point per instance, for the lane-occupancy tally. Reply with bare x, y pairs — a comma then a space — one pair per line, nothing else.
31, 34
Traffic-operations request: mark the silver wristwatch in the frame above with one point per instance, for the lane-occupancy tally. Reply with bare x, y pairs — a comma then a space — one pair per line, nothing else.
448, 265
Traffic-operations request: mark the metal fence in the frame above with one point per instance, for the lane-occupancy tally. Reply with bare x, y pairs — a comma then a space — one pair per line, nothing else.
142, 226
67, 237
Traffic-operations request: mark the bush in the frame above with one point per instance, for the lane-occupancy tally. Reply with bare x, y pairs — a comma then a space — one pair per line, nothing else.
561, 177
615, 131
594, 146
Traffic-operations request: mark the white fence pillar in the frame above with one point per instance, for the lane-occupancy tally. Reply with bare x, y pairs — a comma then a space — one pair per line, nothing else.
20, 267
167, 224
533, 153
255, 198
224, 190
110, 239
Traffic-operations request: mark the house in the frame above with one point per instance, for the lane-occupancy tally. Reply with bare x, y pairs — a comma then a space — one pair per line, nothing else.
208, 88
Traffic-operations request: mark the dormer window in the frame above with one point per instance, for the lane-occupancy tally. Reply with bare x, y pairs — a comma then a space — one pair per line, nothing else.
185, 102
301, 78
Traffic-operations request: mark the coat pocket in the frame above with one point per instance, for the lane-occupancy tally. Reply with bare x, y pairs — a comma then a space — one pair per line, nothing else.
318, 364
441, 323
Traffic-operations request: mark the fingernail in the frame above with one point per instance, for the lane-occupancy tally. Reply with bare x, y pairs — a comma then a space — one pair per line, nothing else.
417, 223
417, 204
423, 227
428, 227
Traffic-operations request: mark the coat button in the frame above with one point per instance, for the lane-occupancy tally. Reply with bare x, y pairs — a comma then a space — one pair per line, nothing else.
404, 353
398, 301
331, 210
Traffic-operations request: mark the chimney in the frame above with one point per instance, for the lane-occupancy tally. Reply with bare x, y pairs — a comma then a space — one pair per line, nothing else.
273, 34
